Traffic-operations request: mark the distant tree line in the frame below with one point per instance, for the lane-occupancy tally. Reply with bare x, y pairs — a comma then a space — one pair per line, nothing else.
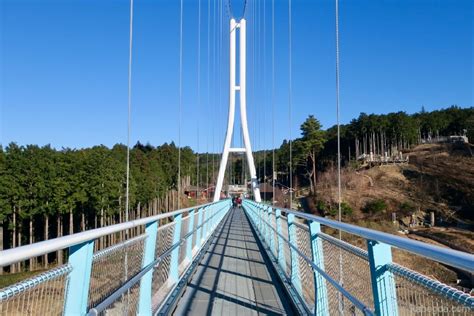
45, 192
316, 149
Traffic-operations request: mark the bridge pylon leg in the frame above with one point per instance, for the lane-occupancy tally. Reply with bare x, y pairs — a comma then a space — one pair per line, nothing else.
240, 88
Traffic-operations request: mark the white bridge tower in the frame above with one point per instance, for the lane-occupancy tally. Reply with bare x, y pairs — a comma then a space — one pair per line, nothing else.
234, 88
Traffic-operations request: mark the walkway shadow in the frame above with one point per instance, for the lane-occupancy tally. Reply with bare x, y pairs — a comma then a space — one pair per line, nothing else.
234, 280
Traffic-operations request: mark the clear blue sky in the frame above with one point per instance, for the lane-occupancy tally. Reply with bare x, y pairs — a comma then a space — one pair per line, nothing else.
63, 75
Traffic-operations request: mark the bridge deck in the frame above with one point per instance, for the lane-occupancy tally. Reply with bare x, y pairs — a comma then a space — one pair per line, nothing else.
234, 277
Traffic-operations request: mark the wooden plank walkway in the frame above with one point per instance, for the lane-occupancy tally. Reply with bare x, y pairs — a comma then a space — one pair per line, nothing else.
234, 278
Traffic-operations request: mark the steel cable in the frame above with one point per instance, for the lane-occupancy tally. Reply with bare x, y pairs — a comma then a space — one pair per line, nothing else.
290, 100
198, 97
180, 98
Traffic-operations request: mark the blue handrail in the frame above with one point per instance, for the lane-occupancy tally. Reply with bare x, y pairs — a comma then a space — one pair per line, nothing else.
78, 270
378, 257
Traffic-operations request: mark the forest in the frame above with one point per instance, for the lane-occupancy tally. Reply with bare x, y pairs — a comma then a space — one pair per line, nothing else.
47, 192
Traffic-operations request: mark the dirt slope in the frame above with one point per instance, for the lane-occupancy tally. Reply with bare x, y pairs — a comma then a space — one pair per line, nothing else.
438, 178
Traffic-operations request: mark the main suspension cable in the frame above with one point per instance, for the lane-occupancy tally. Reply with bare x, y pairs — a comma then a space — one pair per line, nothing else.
198, 97
264, 42
208, 91
339, 198
180, 97
273, 101
290, 100
129, 123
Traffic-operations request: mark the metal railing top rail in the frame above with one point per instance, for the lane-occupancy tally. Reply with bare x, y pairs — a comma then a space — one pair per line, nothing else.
13, 255
454, 258
358, 304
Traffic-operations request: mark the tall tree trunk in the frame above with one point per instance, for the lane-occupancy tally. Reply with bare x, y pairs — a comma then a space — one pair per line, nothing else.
46, 237
32, 265
314, 173
83, 221
1, 243
19, 238
13, 266
102, 225
71, 222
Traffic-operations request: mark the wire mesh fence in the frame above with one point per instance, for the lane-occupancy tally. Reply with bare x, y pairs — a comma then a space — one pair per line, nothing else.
113, 266
126, 304
347, 265
286, 247
182, 246
349, 269
420, 295
43, 294
160, 284
306, 271
273, 233
195, 225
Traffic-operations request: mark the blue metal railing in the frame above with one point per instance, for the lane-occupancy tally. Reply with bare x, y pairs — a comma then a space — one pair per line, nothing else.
122, 277
344, 278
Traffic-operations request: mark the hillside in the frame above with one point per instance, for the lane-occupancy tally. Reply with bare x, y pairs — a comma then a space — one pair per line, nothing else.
438, 178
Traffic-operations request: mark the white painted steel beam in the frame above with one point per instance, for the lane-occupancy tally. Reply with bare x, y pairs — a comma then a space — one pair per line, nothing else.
242, 89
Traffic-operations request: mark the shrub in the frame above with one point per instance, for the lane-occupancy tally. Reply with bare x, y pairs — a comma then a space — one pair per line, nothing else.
375, 206
346, 209
332, 209
406, 207
322, 207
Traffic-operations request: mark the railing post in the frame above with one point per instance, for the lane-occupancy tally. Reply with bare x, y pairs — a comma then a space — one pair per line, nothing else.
383, 282
174, 263
263, 215
271, 241
151, 230
320, 290
199, 230
280, 249
295, 267
77, 295
205, 226
212, 211
189, 241
260, 220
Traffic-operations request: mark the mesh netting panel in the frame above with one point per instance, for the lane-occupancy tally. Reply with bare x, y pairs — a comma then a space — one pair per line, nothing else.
113, 266
338, 304
415, 299
286, 248
127, 304
273, 233
41, 295
182, 247
355, 272
160, 285
306, 271
161, 272
194, 228
164, 239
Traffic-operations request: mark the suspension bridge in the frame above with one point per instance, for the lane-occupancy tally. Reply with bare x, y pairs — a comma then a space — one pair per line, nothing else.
223, 259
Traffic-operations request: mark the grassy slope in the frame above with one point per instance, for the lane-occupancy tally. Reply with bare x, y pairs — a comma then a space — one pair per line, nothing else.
438, 178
